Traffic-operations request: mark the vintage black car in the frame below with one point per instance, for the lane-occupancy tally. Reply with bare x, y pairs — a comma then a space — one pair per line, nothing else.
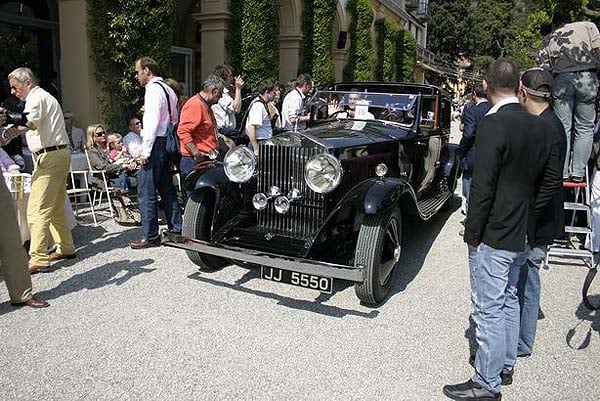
327, 202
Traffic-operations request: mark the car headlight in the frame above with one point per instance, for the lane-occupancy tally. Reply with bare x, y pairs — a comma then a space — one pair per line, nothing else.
240, 164
323, 173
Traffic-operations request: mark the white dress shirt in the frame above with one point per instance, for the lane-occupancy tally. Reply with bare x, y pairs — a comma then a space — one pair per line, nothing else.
133, 144
293, 106
156, 113
503, 102
45, 113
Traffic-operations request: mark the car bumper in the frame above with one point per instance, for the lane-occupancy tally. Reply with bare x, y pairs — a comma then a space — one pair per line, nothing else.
343, 272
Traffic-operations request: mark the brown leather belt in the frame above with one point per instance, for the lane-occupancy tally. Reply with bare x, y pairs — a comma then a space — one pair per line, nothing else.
50, 149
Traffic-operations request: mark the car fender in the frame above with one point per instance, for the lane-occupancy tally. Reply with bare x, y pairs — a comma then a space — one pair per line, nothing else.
207, 175
376, 195
451, 165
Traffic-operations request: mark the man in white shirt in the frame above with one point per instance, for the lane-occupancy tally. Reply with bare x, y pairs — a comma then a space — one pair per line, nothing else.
48, 141
154, 173
227, 107
133, 140
292, 110
258, 124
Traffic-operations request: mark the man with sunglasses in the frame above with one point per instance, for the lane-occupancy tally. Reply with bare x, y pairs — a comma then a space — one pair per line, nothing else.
160, 111
48, 141
133, 140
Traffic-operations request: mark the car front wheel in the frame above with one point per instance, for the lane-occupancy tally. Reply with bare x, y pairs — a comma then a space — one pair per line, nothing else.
378, 251
197, 219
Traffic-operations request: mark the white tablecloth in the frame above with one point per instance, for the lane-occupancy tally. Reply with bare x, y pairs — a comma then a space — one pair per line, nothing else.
21, 209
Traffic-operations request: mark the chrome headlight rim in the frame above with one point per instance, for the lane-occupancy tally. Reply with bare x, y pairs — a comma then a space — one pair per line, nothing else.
249, 155
337, 166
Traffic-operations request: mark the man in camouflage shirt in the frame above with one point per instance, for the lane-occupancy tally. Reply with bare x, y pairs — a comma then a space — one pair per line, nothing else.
572, 53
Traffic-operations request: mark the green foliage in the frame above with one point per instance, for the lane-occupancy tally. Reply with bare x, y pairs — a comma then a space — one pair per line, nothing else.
316, 52
121, 31
260, 45
308, 25
406, 57
362, 58
233, 43
396, 52
483, 30
324, 14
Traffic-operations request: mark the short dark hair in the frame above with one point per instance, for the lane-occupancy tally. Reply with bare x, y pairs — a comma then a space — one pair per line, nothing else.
267, 85
479, 91
303, 79
502, 75
222, 71
149, 63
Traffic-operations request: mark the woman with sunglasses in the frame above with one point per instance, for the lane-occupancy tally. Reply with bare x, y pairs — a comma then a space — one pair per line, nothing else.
121, 175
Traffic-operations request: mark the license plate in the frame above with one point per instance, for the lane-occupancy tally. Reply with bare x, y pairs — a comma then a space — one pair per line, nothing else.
323, 284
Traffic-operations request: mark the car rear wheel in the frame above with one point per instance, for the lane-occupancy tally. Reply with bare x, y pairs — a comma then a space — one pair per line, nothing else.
197, 219
378, 249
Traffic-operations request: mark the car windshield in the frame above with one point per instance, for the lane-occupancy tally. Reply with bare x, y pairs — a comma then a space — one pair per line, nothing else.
396, 108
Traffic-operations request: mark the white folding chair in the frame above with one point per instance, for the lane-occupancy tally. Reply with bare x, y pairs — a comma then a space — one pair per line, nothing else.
106, 189
81, 187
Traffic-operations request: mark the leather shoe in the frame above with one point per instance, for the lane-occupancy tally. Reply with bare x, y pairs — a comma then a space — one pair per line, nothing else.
470, 391
33, 269
32, 303
54, 256
144, 243
506, 375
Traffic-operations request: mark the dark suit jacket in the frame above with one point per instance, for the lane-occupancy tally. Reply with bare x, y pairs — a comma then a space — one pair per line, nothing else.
472, 116
512, 161
549, 224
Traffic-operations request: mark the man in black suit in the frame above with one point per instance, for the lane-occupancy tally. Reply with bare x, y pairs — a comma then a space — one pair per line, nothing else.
535, 96
471, 118
513, 160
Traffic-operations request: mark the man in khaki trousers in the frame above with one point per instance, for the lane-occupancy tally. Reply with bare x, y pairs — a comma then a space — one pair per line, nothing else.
13, 259
48, 141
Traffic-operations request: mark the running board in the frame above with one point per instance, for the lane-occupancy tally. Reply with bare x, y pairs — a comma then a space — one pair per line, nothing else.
429, 206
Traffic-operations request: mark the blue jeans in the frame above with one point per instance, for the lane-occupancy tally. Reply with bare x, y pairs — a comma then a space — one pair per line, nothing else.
186, 165
529, 298
153, 176
495, 311
466, 187
574, 104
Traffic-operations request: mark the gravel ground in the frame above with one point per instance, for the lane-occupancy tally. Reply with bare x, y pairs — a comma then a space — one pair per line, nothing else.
133, 325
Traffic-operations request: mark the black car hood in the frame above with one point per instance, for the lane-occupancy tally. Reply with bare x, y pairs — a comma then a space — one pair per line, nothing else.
343, 134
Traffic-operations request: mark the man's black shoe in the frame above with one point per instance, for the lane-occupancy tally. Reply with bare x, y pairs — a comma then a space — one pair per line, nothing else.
470, 391
506, 375
143, 243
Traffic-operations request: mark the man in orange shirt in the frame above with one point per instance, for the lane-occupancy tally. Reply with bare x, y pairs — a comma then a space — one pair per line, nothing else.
197, 129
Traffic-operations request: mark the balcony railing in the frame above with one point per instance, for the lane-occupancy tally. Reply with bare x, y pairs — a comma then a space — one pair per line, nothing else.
419, 8
425, 55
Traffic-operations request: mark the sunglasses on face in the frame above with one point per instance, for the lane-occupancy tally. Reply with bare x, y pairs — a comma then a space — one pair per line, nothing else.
138, 123
99, 134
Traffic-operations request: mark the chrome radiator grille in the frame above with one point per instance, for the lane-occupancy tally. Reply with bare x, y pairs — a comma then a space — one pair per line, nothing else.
283, 166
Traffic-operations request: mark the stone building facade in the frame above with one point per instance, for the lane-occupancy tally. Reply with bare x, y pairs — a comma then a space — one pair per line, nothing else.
51, 37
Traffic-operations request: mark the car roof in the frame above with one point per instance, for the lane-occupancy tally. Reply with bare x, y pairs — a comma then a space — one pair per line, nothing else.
392, 87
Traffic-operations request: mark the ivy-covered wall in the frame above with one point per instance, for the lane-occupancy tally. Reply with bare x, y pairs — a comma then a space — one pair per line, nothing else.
121, 31
233, 43
260, 40
396, 52
406, 57
316, 53
362, 57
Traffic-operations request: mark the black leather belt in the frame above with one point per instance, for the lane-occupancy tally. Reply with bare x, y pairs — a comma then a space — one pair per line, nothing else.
50, 149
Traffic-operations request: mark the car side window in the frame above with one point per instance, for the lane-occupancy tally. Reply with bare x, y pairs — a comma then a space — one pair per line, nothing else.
428, 112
